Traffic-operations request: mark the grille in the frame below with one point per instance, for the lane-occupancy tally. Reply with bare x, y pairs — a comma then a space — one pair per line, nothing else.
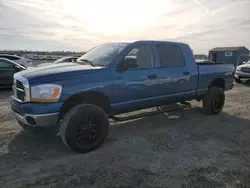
244, 69
19, 84
19, 91
20, 95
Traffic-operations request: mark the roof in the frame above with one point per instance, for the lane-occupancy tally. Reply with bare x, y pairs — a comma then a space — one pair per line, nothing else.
145, 41
236, 48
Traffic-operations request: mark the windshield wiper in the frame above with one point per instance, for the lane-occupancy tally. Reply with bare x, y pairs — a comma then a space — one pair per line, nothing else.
88, 61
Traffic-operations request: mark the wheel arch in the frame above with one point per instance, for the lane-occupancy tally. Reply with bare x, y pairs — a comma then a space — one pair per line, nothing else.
97, 98
218, 82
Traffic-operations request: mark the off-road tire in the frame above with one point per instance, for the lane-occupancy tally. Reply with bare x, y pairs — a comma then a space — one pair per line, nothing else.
210, 106
75, 118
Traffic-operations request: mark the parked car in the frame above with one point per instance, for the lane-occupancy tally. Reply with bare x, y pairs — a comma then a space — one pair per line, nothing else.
242, 72
112, 79
7, 69
204, 61
31, 56
67, 59
18, 59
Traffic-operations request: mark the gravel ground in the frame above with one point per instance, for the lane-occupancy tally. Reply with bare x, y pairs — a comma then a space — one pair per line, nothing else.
181, 149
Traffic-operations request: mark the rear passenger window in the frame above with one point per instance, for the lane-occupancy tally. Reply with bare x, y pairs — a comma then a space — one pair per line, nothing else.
170, 55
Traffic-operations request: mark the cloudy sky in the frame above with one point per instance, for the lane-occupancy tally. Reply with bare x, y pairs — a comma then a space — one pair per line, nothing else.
81, 24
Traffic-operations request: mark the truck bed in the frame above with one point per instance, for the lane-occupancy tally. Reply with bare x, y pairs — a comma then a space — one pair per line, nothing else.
214, 72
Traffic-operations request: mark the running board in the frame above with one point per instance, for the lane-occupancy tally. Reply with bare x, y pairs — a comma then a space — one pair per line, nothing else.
182, 105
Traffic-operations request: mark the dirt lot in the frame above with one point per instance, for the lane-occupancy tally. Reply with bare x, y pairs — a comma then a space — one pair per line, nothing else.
182, 149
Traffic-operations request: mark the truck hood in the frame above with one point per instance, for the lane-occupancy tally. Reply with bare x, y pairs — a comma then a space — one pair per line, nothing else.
56, 71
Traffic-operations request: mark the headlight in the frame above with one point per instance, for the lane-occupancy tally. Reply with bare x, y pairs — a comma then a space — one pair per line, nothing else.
238, 68
46, 93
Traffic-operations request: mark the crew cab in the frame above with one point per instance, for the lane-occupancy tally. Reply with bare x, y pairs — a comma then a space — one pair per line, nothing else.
111, 79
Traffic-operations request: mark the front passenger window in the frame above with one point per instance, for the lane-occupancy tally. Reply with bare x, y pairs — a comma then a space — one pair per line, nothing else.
141, 57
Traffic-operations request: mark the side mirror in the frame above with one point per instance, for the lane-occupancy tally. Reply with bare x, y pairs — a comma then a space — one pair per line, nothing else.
128, 63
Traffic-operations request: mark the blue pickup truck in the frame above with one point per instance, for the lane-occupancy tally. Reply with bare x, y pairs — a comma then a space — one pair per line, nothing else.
111, 79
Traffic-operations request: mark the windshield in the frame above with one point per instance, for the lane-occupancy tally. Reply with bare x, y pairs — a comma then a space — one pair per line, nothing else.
103, 54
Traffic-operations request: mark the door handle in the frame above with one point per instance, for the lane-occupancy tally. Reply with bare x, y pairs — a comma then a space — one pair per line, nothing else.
186, 73
152, 76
